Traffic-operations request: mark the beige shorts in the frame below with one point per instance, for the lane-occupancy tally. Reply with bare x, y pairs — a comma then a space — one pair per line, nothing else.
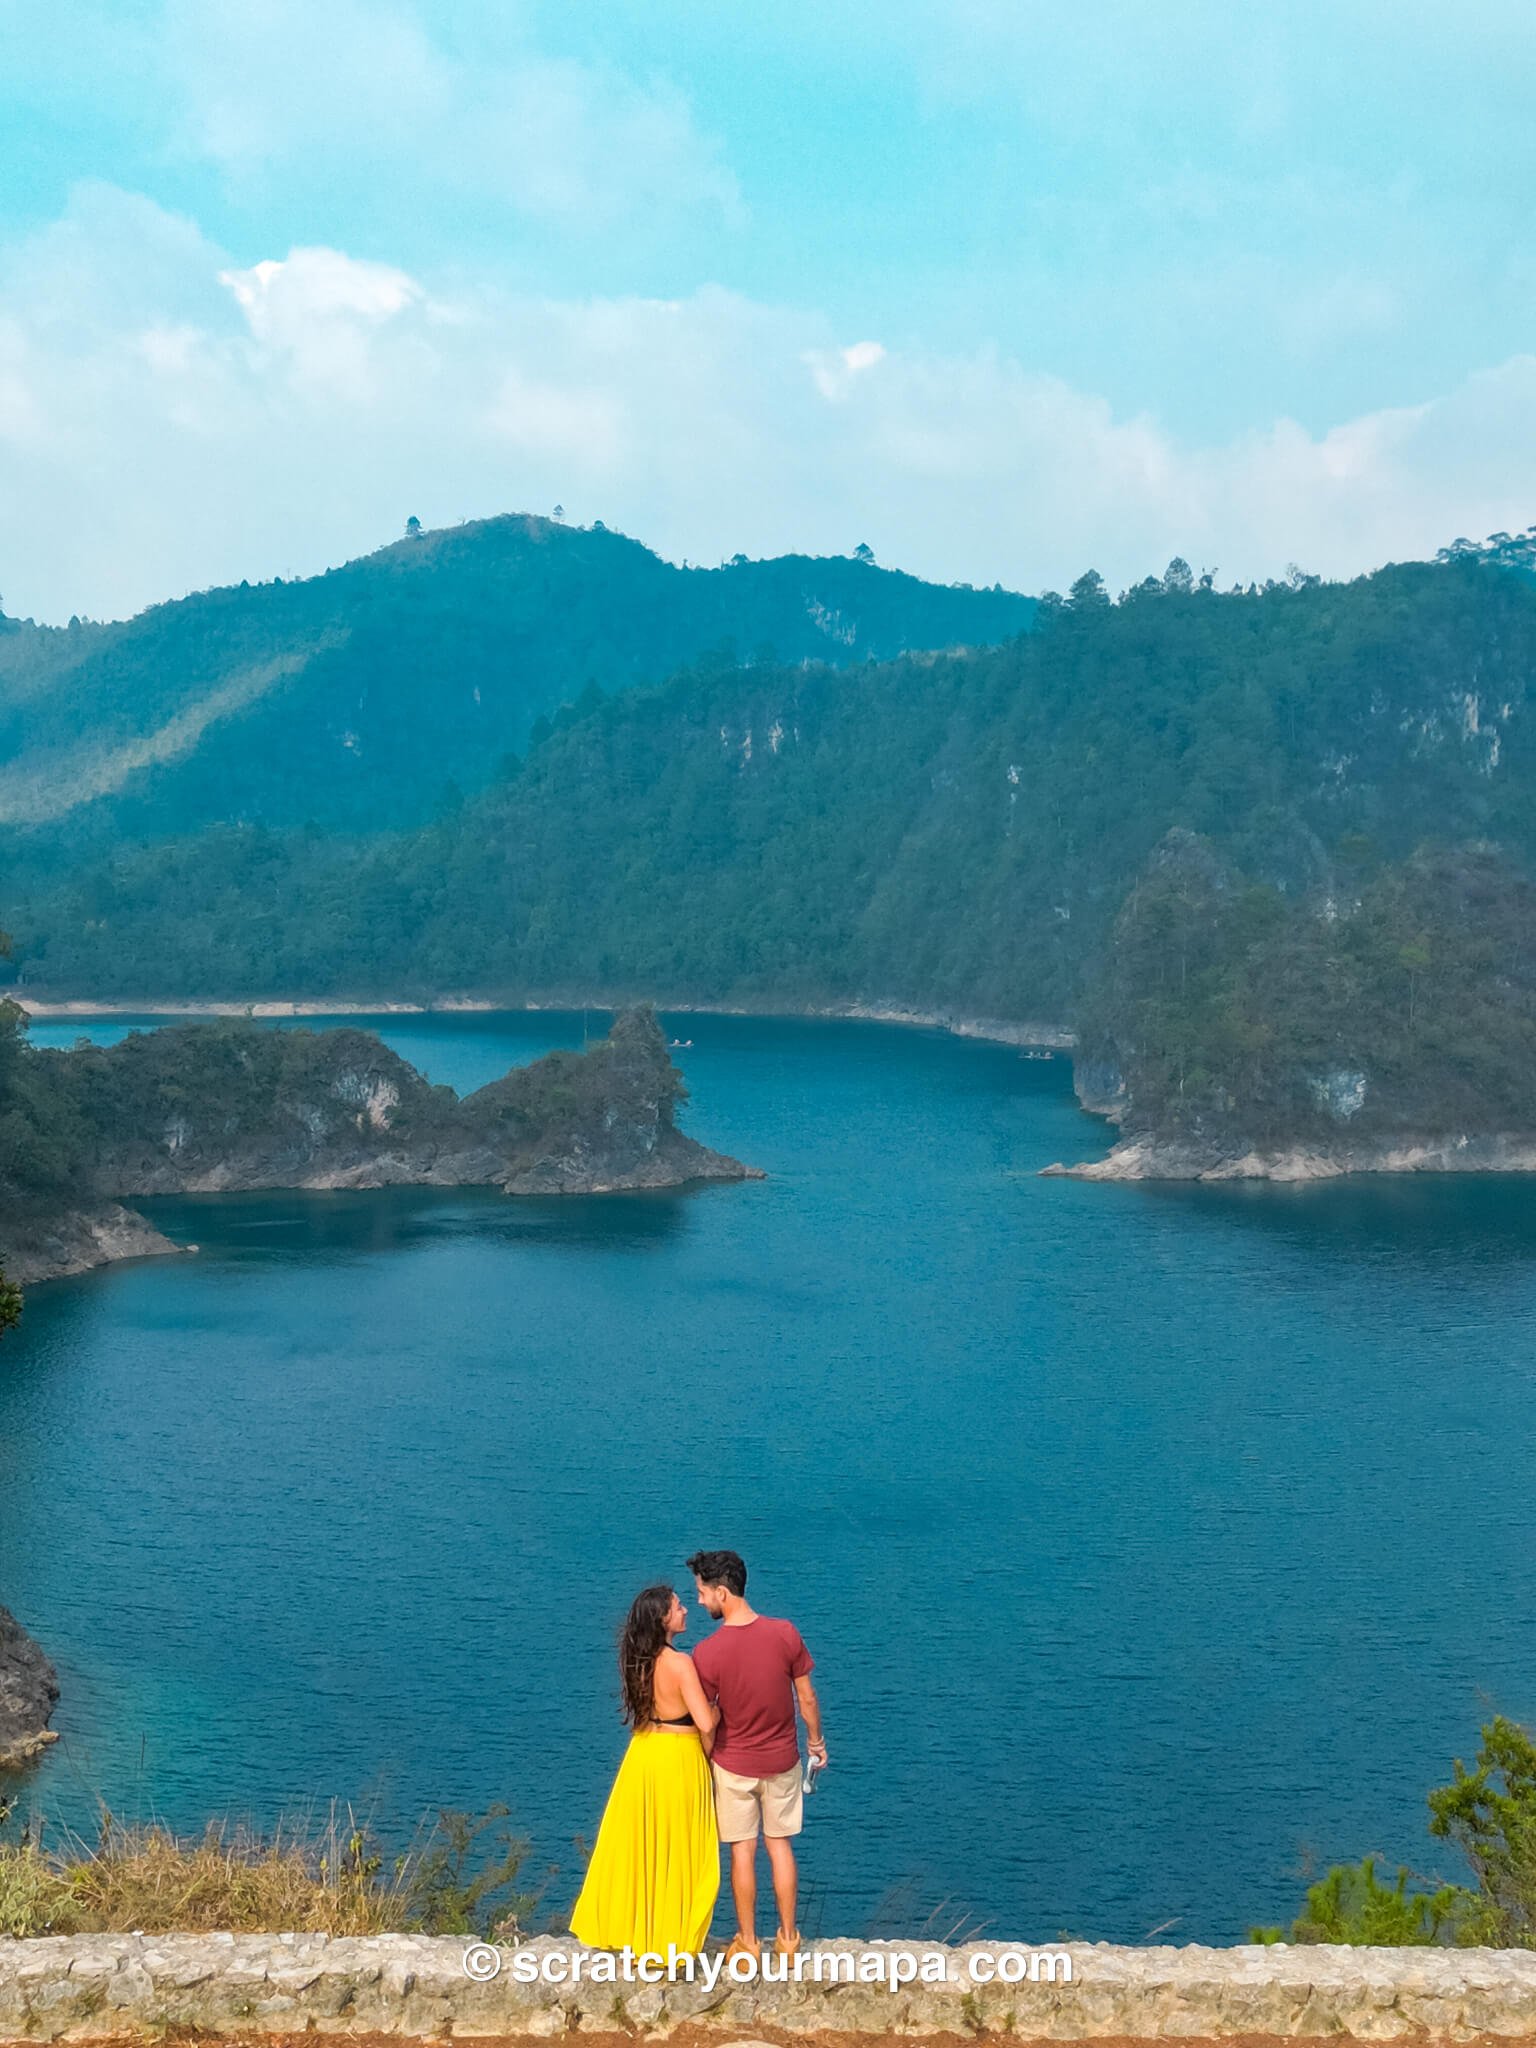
742, 1804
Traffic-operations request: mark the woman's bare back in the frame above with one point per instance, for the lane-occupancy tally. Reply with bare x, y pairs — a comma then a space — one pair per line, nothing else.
668, 1703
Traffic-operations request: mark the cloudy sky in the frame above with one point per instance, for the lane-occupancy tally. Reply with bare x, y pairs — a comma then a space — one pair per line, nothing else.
1007, 289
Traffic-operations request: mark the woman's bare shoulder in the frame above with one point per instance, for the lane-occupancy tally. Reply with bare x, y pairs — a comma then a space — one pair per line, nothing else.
674, 1658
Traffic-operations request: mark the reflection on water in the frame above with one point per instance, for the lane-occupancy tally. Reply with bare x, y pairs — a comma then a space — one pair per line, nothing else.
1147, 1538
305, 1223
1463, 1222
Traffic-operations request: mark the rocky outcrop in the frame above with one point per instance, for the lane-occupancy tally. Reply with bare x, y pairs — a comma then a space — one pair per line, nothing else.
960, 1024
29, 1691
118, 1987
1099, 1085
217, 1108
1172, 1159
55, 1243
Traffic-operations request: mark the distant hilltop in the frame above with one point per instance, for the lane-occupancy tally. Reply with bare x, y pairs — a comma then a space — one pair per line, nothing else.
385, 691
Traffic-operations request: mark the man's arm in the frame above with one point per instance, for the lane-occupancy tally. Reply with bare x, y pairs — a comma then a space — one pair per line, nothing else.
810, 1713
706, 1716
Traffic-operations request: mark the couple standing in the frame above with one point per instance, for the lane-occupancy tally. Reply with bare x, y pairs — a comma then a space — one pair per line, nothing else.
714, 1757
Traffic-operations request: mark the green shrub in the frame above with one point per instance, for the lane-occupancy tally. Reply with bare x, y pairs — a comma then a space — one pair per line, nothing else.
1490, 1814
1353, 1906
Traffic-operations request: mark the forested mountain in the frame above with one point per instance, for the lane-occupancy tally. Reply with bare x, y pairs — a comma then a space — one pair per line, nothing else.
1394, 1007
376, 696
943, 831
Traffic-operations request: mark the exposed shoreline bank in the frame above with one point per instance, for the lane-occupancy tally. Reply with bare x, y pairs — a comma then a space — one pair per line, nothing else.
996, 1030
1139, 1159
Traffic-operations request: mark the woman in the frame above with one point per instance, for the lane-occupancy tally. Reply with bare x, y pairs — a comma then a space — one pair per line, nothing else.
655, 1870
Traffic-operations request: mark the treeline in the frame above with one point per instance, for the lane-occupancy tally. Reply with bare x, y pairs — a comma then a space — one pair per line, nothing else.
955, 831
379, 695
1389, 1001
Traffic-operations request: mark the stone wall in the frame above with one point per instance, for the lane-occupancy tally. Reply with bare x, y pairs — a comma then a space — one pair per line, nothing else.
93, 1987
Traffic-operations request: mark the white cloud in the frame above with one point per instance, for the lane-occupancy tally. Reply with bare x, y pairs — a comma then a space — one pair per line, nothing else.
358, 90
833, 370
161, 430
281, 298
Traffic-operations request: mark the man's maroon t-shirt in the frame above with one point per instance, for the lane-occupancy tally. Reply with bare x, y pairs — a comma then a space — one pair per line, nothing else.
751, 1670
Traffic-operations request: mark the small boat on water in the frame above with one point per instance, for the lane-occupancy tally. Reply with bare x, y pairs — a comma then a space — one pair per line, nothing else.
1037, 1052
679, 1044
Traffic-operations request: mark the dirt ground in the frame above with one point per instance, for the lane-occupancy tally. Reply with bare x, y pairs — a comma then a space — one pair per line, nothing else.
686, 2036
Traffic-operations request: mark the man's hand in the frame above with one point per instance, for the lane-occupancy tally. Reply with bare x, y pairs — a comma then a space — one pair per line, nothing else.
810, 1713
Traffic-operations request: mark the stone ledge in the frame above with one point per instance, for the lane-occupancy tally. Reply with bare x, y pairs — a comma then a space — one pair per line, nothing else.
101, 1987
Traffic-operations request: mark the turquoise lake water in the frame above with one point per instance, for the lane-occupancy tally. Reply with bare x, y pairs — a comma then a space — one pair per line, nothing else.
1150, 1541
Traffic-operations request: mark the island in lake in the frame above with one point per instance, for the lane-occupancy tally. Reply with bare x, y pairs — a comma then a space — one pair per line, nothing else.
219, 1107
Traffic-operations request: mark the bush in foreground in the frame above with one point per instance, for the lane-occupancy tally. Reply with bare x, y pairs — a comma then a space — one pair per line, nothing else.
1352, 1905
458, 1877
1490, 1815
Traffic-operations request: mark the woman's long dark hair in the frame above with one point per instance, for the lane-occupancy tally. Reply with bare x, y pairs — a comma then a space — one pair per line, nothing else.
641, 1642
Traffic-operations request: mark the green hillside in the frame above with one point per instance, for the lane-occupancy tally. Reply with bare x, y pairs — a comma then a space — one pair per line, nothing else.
956, 831
376, 696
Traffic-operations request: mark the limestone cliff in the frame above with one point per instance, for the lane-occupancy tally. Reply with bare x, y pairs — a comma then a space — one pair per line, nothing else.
29, 1692
204, 1108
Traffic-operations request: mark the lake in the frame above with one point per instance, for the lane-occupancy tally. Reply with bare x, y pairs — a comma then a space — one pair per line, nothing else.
1150, 1541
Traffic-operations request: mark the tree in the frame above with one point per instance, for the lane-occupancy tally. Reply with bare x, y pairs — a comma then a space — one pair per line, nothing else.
1352, 1907
864, 552
1490, 1814
413, 528
1088, 593
1178, 577
560, 512
10, 1305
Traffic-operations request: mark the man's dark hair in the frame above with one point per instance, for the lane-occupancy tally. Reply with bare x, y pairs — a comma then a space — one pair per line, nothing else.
719, 1568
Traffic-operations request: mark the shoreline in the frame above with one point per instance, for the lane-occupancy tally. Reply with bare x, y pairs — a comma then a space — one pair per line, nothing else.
1146, 1159
992, 1030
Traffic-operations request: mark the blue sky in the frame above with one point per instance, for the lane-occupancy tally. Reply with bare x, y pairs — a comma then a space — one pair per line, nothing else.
1004, 289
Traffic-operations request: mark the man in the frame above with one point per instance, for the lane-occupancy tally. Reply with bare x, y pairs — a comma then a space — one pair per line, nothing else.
757, 1669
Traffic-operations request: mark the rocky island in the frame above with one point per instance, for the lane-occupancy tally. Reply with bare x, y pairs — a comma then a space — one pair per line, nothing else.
29, 1691
218, 1107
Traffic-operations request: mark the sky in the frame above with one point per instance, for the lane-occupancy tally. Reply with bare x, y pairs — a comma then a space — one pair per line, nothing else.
1004, 289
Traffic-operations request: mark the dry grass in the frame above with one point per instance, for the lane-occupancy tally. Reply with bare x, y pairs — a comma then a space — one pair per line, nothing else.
331, 1879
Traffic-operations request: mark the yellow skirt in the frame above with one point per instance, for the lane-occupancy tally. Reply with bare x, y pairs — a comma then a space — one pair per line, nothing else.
655, 1871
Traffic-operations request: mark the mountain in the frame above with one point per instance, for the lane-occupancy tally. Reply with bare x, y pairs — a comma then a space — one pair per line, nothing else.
942, 831
381, 693
1339, 778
